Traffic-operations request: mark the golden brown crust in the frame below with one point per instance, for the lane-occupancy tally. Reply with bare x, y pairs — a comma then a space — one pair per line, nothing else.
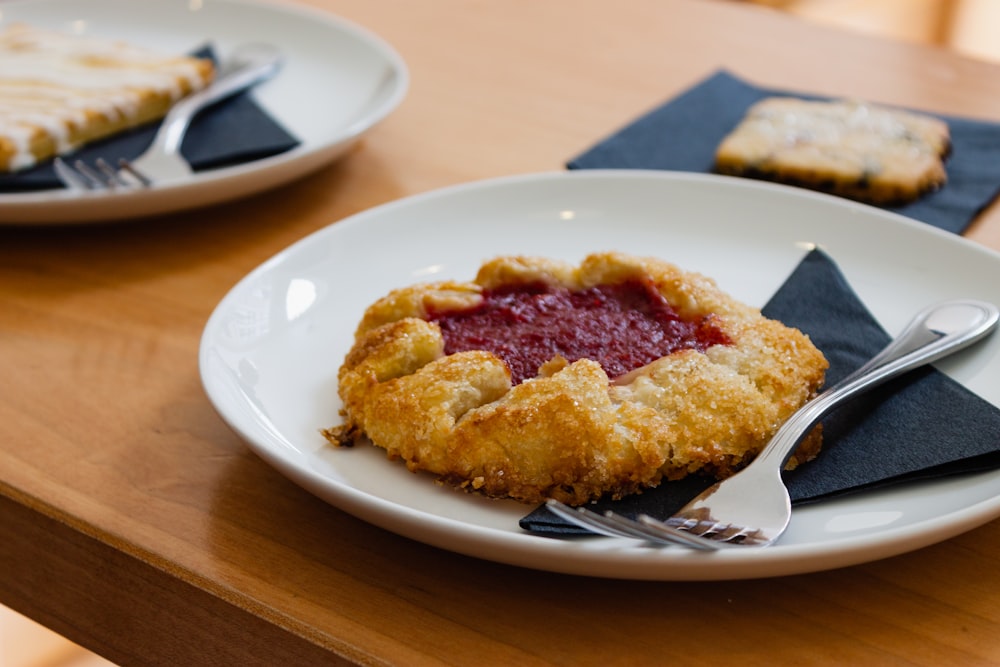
571, 433
861, 151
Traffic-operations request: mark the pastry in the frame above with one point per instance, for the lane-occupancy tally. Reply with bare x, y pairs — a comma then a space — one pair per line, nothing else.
861, 151
543, 379
59, 91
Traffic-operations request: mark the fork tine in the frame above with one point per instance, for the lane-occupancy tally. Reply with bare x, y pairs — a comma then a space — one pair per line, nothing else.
586, 519
615, 525
100, 176
705, 536
661, 532
93, 177
111, 176
130, 168
69, 176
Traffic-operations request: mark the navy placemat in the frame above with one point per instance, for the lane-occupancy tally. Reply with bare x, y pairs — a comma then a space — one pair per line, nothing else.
231, 132
683, 133
922, 425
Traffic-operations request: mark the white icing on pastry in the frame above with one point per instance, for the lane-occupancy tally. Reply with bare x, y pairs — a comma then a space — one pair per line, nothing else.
49, 81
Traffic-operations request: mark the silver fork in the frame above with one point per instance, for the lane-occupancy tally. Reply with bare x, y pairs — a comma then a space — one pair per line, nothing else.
162, 161
752, 508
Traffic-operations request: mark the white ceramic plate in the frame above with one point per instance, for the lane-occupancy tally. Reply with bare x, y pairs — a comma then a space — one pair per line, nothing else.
270, 352
337, 82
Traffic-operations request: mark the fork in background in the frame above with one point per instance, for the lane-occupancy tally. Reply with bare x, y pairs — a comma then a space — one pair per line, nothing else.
162, 161
752, 508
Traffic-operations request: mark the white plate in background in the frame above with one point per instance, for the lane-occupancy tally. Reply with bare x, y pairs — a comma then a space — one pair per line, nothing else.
337, 82
270, 351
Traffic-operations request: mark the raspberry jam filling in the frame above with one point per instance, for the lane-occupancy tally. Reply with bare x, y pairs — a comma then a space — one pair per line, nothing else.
622, 327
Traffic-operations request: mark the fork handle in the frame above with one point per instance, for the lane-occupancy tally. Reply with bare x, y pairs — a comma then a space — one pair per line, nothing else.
933, 333
252, 64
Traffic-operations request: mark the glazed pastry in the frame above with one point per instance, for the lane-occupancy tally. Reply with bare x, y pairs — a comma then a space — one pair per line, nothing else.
542, 379
59, 91
861, 151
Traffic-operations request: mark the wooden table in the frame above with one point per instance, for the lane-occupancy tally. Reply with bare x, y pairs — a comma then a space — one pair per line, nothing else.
134, 522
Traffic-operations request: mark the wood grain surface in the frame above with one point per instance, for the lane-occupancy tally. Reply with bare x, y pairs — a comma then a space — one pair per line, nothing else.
137, 524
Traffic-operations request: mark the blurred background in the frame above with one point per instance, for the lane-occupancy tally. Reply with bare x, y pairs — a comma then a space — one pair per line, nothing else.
964, 26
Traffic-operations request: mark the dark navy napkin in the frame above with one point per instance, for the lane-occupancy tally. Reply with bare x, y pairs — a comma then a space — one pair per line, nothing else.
683, 133
231, 132
922, 425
